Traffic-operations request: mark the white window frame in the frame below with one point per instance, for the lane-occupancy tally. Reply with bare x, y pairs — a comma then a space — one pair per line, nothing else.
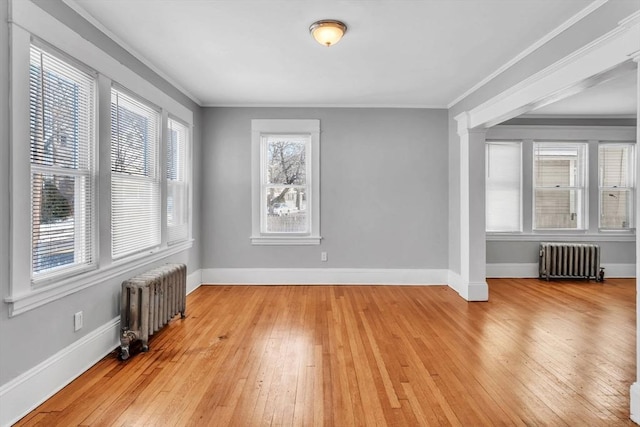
259, 129
582, 186
489, 143
177, 233
631, 167
151, 181
28, 21
85, 225
527, 134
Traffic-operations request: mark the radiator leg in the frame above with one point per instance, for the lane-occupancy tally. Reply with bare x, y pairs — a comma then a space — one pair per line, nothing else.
600, 277
126, 338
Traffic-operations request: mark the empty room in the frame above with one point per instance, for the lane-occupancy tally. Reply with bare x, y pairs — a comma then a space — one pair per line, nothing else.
338, 212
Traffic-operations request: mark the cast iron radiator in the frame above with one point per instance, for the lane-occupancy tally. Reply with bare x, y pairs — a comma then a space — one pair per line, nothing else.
570, 260
149, 301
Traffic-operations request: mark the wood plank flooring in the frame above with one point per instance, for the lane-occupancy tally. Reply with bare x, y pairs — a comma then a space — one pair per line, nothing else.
537, 354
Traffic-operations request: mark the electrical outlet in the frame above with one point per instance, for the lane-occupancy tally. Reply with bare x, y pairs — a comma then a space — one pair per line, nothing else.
323, 256
77, 321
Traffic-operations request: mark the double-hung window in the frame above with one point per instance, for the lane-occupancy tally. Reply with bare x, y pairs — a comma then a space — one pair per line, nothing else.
100, 175
63, 173
559, 179
616, 178
177, 181
285, 188
135, 178
284, 183
503, 186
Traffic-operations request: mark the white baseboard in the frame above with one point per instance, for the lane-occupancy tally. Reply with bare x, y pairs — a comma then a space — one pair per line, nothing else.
635, 403
23, 394
530, 270
474, 291
619, 270
194, 280
455, 282
324, 276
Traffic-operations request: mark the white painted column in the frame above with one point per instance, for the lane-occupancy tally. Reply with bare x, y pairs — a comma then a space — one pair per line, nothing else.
472, 284
635, 387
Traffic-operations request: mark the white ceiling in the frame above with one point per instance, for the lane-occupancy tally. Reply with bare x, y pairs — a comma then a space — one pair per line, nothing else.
413, 53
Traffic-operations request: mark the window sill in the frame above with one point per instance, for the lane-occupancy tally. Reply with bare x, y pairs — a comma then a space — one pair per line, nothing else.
285, 240
19, 304
620, 236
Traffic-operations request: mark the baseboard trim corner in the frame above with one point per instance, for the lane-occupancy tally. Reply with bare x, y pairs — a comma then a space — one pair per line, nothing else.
194, 280
470, 291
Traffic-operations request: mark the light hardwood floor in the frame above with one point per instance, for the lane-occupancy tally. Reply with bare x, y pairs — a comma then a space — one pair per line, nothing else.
538, 353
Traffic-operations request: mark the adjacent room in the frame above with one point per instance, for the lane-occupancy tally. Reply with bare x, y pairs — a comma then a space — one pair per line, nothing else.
275, 212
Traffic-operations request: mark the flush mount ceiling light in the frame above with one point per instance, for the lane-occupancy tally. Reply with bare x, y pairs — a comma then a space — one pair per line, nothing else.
328, 31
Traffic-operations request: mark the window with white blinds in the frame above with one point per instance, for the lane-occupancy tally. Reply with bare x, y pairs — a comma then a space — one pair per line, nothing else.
503, 186
559, 181
135, 181
616, 181
177, 182
63, 172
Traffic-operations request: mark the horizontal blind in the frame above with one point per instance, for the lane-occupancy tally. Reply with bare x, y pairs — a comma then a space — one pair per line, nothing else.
616, 162
616, 166
177, 182
503, 187
62, 140
135, 183
559, 164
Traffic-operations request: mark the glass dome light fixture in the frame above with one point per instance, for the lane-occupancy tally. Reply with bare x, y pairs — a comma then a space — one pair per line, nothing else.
328, 31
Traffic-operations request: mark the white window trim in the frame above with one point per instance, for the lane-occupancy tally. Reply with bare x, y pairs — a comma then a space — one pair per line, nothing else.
584, 188
29, 20
581, 236
593, 134
155, 178
631, 188
188, 178
260, 127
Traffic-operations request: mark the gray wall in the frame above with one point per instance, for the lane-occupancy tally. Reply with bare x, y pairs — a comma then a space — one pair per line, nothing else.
383, 179
32, 337
588, 29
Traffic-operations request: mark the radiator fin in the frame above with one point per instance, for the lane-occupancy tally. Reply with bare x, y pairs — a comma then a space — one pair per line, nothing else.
570, 260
